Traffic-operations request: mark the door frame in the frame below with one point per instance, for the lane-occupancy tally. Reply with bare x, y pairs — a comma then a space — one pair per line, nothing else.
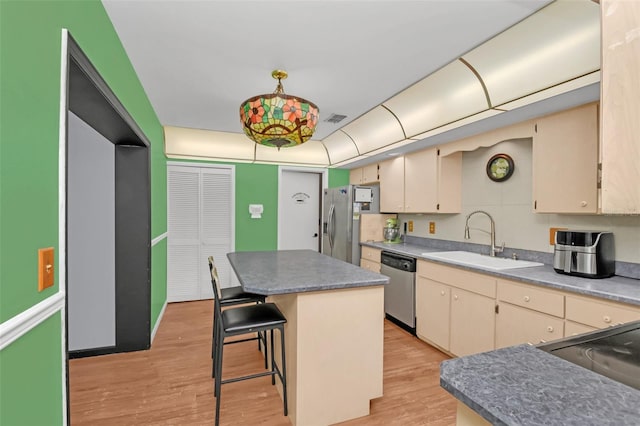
324, 173
84, 92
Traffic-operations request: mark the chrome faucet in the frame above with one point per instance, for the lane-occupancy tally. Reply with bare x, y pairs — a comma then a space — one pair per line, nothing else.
494, 249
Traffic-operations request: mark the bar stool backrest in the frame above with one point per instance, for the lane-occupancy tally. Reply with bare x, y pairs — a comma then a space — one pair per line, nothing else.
215, 280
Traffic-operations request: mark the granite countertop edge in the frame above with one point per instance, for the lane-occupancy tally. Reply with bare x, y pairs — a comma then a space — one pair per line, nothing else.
272, 291
616, 288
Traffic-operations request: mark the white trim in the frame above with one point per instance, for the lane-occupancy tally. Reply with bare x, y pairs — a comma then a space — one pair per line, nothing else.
62, 209
155, 327
323, 171
16, 327
157, 239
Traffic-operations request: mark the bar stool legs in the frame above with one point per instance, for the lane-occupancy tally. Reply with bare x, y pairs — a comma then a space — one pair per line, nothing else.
275, 370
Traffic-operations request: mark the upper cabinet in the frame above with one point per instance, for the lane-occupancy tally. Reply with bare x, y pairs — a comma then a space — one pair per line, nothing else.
364, 175
392, 185
421, 182
565, 161
620, 107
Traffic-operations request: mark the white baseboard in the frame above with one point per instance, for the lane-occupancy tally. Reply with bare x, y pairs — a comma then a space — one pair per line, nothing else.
155, 327
16, 327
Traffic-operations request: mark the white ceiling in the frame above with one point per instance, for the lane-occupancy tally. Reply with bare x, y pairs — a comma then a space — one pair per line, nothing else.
198, 60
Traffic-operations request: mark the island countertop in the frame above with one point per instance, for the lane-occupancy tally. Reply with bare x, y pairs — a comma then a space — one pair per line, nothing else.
297, 271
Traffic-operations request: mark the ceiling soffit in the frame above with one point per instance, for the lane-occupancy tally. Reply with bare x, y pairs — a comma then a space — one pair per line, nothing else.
551, 52
554, 51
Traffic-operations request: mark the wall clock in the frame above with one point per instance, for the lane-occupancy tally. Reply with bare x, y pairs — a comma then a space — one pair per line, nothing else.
500, 167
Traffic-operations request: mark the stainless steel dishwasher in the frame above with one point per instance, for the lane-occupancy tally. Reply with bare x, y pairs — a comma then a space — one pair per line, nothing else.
400, 292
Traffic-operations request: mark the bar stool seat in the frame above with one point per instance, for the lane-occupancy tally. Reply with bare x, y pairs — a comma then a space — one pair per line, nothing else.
234, 321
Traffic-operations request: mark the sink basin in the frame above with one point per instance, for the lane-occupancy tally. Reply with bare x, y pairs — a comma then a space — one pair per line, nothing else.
480, 260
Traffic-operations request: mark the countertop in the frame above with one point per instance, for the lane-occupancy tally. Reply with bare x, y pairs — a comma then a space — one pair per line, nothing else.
297, 271
523, 385
616, 288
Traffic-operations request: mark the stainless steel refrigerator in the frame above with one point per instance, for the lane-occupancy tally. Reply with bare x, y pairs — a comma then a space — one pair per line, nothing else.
342, 207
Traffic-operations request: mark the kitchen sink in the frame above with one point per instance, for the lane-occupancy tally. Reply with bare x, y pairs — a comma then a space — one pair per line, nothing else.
479, 260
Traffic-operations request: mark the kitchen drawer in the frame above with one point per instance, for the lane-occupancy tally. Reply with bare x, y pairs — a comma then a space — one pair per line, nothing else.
370, 253
531, 298
370, 265
460, 278
516, 325
598, 313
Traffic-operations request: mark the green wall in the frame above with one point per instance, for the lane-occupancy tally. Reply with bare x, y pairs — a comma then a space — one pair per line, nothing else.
30, 41
30, 371
338, 177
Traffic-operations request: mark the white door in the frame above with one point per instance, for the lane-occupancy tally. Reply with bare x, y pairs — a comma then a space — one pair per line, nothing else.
299, 210
200, 224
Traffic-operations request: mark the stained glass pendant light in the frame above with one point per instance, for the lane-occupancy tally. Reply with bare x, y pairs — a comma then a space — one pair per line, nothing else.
278, 119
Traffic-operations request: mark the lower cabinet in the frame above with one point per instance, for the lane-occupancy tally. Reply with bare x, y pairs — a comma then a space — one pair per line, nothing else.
455, 309
433, 310
527, 314
515, 325
472, 322
599, 313
370, 258
463, 313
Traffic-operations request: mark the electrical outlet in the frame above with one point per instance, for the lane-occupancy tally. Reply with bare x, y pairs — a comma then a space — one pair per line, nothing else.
432, 227
46, 270
410, 226
552, 235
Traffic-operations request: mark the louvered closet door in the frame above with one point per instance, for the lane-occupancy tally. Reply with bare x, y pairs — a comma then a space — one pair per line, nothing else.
217, 225
200, 212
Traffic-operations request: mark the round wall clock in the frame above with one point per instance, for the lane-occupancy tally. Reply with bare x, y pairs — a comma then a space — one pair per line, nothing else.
500, 167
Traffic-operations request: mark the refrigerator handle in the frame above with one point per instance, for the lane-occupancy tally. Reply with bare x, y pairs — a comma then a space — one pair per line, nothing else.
332, 223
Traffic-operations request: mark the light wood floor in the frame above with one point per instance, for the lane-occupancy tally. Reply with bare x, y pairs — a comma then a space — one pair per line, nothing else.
171, 384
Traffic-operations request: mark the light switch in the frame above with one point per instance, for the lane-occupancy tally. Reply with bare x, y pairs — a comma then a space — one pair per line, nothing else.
46, 270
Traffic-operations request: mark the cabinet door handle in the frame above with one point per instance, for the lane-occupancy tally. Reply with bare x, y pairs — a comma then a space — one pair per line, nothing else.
527, 298
550, 329
606, 319
442, 293
455, 297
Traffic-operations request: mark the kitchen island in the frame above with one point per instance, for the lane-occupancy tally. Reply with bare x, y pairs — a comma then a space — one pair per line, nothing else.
334, 330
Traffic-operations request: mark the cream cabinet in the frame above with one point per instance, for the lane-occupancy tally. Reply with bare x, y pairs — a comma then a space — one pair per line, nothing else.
422, 182
370, 258
620, 107
392, 185
527, 314
433, 310
455, 309
472, 322
599, 313
364, 175
565, 161
462, 312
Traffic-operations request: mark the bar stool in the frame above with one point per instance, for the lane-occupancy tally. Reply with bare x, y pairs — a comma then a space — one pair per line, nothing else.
234, 321
236, 296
